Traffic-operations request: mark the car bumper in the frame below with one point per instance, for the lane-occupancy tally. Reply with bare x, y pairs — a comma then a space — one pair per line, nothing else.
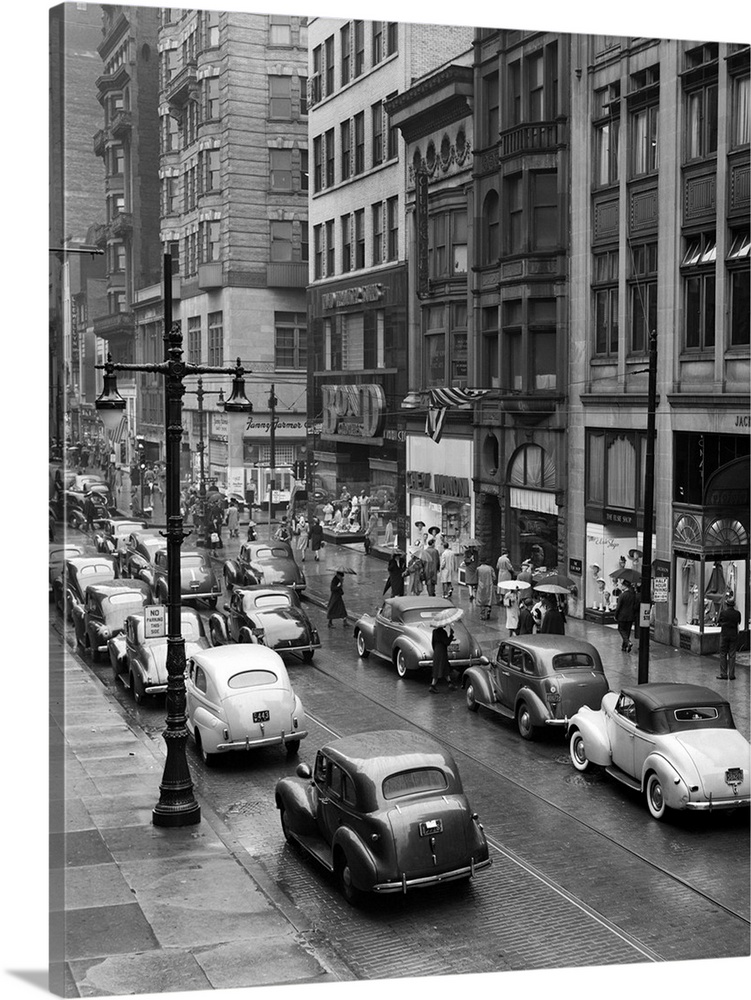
427, 880
454, 664
266, 741
712, 804
199, 595
156, 688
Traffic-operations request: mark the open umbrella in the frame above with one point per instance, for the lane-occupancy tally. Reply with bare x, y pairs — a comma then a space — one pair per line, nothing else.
345, 569
557, 580
551, 588
472, 544
524, 578
445, 617
514, 585
627, 575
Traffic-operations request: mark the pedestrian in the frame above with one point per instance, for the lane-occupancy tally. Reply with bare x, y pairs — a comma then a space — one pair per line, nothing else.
513, 613
447, 570
432, 561
316, 538
371, 534
526, 621
504, 571
302, 537
552, 622
625, 615
395, 581
415, 572
470, 570
282, 532
441, 641
485, 581
729, 620
328, 512
215, 524
90, 511
233, 520
252, 534
537, 611
365, 514
336, 608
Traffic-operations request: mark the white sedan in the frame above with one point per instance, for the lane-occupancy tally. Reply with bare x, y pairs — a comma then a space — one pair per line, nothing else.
676, 743
240, 697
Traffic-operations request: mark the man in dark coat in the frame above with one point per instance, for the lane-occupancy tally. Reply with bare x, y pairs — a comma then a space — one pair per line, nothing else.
552, 622
526, 620
395, 581
316, 538
729, 619
336, 608
625, 615
441, 663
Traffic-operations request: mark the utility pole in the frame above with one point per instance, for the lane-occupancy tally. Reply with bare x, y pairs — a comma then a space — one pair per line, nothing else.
649, 493
272, 455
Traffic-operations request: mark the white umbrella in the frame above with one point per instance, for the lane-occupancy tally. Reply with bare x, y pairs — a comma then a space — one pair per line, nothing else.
446, 617
514, 585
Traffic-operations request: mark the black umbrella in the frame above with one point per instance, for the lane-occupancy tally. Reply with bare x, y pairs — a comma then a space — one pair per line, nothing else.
627, 575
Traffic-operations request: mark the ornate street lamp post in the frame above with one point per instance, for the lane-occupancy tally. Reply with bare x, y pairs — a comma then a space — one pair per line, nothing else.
177, 805
200, 392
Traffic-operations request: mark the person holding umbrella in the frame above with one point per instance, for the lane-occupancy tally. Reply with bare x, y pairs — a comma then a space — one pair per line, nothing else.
336, 608
504, 571
441, 640
526, 620
625, 615
511, 601
552, 622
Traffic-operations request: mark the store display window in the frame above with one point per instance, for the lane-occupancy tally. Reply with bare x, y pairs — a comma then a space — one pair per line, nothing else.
702, 588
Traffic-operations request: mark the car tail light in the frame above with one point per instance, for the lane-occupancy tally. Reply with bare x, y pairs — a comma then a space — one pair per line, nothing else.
295, 723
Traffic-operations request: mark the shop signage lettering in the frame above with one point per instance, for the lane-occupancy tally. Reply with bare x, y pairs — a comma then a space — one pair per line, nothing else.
743, 421
354, 410
420, 481
661, 590
265, 425
660, 569
451, 486
727, 498
395, 435
620, 517
575, 567
352, 296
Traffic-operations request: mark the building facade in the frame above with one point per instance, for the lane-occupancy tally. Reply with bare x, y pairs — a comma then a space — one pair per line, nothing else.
233, 173
358, 294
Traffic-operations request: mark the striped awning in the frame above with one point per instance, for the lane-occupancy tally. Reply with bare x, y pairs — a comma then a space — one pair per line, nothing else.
120, 433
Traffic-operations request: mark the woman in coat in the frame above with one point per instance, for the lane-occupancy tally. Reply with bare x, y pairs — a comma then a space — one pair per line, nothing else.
371, 534
336, 608
485, 580
511, 602
447, 570
395, 581
301, 537
415, 573
470, 571
441, 664
316, 538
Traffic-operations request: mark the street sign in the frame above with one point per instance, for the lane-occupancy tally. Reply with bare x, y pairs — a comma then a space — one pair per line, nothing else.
660, 589
645, 614
154, 621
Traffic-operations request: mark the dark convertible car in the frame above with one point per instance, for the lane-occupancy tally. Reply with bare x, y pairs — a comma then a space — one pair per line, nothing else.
272, 616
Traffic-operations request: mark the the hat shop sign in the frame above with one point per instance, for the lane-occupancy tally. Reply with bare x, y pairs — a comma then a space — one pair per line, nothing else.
353, 412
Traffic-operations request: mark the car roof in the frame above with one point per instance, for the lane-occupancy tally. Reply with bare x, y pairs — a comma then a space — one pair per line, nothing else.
401, 604
224, 661
79, 561
260, 589
552, 644
388, 751
103, 590
665, 694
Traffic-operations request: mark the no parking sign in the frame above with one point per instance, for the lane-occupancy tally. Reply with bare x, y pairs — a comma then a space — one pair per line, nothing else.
154, 621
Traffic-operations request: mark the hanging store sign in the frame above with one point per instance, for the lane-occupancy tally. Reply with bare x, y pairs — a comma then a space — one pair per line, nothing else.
353, 411
219, 424
625, 517
447, 486
355, 296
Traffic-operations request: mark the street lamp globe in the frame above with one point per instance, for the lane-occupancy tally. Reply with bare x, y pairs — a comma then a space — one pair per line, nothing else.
238, 406
110, 405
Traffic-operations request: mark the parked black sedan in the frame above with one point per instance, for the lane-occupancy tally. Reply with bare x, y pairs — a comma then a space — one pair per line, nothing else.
272, 616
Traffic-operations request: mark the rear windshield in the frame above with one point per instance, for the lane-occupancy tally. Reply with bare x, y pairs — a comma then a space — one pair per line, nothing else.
100, 569
275, 553
127, 597
682, 720
195, 561
252, 678
423, 779
251, 603
422, 616
567, 661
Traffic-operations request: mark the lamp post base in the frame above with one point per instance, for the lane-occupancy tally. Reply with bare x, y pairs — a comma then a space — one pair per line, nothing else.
187, 814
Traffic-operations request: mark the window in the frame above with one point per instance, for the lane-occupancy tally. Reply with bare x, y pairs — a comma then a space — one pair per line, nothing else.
360, 142
281, 241
392, 228
210, 29
280, 97
318, 163
359, 47
194, 340
170, 134
281, 169
447, 244
190, 179
458, 375
434, 330
605, 303
392, 36
698, 273
210, 240
290, 340
303, 170
346, 151
117, 257
701, 122
490, 96
330, 248
345, 46
490, 347
514, 196
643, 295
542, 344
189, 49
210, 98
491, 245
544, 210
329, 53
330, 153
377, 229
316, 90
216, 339
535, 88
740, 124
303, 84
353, 342
392, 141
304, 241
346, 243
738, 270
644, 138
117, 159
360, 238
191, 253
607, 135
280, 30
190, 124
209, 163
532, 86
377, 42
377, 138
318, 251
170, 194
173, 250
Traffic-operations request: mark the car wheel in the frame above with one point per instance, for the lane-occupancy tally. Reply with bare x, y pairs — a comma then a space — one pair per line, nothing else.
292, 747
211, 602
470, 697
351, 893
94, 650
285, 829
136, 686
245, 636
401, 663
362, 651
308, 656
577, 752
524, 722
228, 582
655, 797
209, 759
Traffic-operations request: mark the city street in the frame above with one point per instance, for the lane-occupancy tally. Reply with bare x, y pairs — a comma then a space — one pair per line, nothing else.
564, 844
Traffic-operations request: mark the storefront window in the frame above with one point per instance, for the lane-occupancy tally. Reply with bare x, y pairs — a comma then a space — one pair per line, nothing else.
703, 587
610, 551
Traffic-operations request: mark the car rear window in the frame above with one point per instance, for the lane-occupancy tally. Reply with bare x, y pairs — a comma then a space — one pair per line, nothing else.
252, 678
568, 661
196, 561
421, 615
683, 720
98, 570
267, 601
275, 553
423, 779
127, 597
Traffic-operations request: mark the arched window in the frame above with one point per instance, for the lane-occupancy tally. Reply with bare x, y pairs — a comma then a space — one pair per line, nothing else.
491, 246
532, 468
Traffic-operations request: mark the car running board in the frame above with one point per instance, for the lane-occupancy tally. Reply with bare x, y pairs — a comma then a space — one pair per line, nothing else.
496, 707
318, 848
624, 778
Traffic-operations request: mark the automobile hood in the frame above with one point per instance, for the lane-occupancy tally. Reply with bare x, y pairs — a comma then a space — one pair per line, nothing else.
155, 659
285, 625
578, 688
239, 706
421, 850
713, 752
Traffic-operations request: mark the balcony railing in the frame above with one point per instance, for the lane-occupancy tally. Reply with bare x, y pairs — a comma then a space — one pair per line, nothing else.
121, 124
180, 87
532, 137
99, 141
122, 224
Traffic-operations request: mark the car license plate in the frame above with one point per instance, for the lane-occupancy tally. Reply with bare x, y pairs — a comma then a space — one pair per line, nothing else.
261, 716
734, 775
431, 827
